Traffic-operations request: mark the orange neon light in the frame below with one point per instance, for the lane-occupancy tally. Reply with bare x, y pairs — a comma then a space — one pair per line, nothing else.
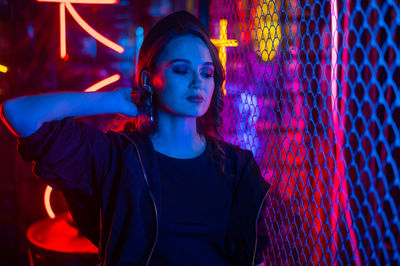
92, 32
103, 83
47, 204
63, 42
222, 43
81, 1
67, 3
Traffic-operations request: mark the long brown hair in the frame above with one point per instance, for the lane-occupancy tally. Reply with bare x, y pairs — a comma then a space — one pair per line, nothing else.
175, 25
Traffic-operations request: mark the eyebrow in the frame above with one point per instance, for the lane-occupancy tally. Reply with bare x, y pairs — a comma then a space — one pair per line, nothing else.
187, 61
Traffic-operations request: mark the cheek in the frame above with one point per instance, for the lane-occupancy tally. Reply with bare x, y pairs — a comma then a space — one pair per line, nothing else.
211, 87
159, 81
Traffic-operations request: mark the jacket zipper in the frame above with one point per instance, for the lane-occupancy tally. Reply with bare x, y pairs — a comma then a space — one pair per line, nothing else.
155, 209
151, 196
255, 242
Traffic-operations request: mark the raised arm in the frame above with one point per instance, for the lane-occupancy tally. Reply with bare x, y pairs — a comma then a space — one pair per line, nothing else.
24, 115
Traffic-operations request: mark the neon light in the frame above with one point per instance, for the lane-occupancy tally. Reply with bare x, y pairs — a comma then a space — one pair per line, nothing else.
3, 68
47, 204
92, 32
139, 42
103, 83
81, 1
67, 3
222, 43
338, 126
63, 43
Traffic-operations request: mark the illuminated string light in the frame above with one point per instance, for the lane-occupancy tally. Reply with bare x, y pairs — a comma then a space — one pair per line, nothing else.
47, 204
67, 3
103, 83
222, 43
3, 68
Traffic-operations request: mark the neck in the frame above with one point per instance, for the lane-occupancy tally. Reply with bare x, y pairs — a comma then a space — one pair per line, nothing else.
177, 135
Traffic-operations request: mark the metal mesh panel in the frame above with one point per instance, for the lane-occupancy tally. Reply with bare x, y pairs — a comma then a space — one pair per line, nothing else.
313, 90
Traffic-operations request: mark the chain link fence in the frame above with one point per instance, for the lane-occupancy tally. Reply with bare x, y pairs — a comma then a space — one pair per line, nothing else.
316, 86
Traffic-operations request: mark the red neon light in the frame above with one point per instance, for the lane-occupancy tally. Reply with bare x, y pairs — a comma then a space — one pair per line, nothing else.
92, 32
67, 3
81, 1
103, 83
63, 43
47, 204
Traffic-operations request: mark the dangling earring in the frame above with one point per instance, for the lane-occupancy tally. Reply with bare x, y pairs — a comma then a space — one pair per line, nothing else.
151, 107
149, 101
148, 88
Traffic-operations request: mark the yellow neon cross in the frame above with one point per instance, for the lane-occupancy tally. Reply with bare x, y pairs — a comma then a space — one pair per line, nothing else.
222, 43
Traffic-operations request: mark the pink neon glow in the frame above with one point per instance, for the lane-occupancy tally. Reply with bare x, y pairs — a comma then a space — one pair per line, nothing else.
103, 83
47, 204
338, 116
63, 43
81, 1
93, 32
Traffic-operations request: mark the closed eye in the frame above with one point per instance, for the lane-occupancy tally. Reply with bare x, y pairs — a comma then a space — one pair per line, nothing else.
180, 70
207, 75
207, 72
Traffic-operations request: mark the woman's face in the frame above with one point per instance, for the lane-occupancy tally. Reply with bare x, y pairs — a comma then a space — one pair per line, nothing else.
184, 69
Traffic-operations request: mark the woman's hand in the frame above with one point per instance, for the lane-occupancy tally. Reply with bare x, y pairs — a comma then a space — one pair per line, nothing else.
124, 98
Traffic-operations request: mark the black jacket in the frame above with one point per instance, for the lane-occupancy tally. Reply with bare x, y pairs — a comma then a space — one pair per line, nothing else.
111, 182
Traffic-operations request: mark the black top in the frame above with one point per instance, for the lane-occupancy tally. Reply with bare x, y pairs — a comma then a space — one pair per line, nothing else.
196, 202
102, 177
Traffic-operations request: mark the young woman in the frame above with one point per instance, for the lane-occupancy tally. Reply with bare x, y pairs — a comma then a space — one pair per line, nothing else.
167, 190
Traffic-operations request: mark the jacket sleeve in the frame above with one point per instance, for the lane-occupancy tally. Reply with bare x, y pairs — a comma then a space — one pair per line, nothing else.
67, 155
73, 157
262, 229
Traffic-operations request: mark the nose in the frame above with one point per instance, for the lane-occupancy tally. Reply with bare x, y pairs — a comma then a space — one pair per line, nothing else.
196, 82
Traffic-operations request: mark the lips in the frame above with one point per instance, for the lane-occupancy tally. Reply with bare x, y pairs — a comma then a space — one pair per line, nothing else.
195, 98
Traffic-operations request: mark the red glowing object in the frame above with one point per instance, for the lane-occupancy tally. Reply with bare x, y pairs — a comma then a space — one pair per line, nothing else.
59, 235
81, 1
67, 4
